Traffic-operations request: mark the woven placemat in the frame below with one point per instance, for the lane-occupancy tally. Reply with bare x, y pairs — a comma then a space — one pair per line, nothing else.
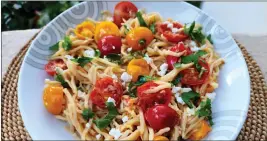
12, 128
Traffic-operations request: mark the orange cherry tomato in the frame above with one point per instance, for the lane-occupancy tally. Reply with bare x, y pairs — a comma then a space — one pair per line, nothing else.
85, 30
137, 67
201, 132
106, 28
160, 138
53, 99
139, 38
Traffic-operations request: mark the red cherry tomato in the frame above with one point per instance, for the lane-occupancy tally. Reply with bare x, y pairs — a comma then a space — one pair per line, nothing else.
167, 33
109, 44
177, 48
161, 116
191, 75
149, 100
124, 10
104, 88
50, 67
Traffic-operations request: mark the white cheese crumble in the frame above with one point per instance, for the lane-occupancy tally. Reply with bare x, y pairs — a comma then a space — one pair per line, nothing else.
129, 49
111, 100
211, 96
81, 94
179, 99
69, 57
176, 89
163, 69
98, 136
116, 133
87, 125
170, 25
89, 53
166, 22
148, 59
190, 112
126, 77
113, 76
184, 90
175, 30
125, 119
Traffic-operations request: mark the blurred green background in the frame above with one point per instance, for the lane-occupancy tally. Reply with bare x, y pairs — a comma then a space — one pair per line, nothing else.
17, 15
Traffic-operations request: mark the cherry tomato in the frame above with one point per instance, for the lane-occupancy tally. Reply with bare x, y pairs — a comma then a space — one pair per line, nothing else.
85, 30
177, 48
50, 67
137, 67
149, 100
203, 130
191, 75
169, 35
53, 99
109, 44
106, 28
139, 38
124, 10
160, 138
104, 88
161, 116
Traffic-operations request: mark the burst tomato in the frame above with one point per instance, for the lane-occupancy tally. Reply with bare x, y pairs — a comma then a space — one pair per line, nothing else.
104, 88
106, 28
139, 38
149, 100
192, 77
177, 48
137, 67
124, 10
109, 44
169, 35
161, 116
50, 67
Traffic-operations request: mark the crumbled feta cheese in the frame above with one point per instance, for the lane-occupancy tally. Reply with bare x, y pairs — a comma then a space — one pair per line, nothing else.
166, 22
176, 89
126, 77
175, 30
81, 94
211, 96
111, 100
184, 90
89, 53
113, 47
148, 59
190, 112
192, 44
170, 25
195, 49
179, 99
87, 125
129, 49
125, 119
59, 70
98, 136
69, 57
116, 133
163, 69
113, 76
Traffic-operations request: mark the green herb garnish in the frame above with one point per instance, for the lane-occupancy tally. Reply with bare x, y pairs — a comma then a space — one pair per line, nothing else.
114, 58
142, 42
193, 58
112, 113
126, 29
87, 114
82, 61
195, 34
177, 79
188, 30
66, 43
177, 65
140, 19
190, 97
97, 53
132, 89
152, 28
205, 110
59, 78
209, 38
55, 47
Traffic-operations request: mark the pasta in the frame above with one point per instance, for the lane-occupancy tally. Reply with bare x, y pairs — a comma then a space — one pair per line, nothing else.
111, 96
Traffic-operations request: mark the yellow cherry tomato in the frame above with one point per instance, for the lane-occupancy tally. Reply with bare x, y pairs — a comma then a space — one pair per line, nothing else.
137, 67
53, 99
85, 30
160, 138
203, 130
139, 38
106, 28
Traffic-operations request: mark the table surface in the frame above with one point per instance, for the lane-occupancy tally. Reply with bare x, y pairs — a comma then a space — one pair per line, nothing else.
13, 41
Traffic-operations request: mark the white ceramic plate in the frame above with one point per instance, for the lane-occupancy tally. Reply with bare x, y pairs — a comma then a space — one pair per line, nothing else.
229, 108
